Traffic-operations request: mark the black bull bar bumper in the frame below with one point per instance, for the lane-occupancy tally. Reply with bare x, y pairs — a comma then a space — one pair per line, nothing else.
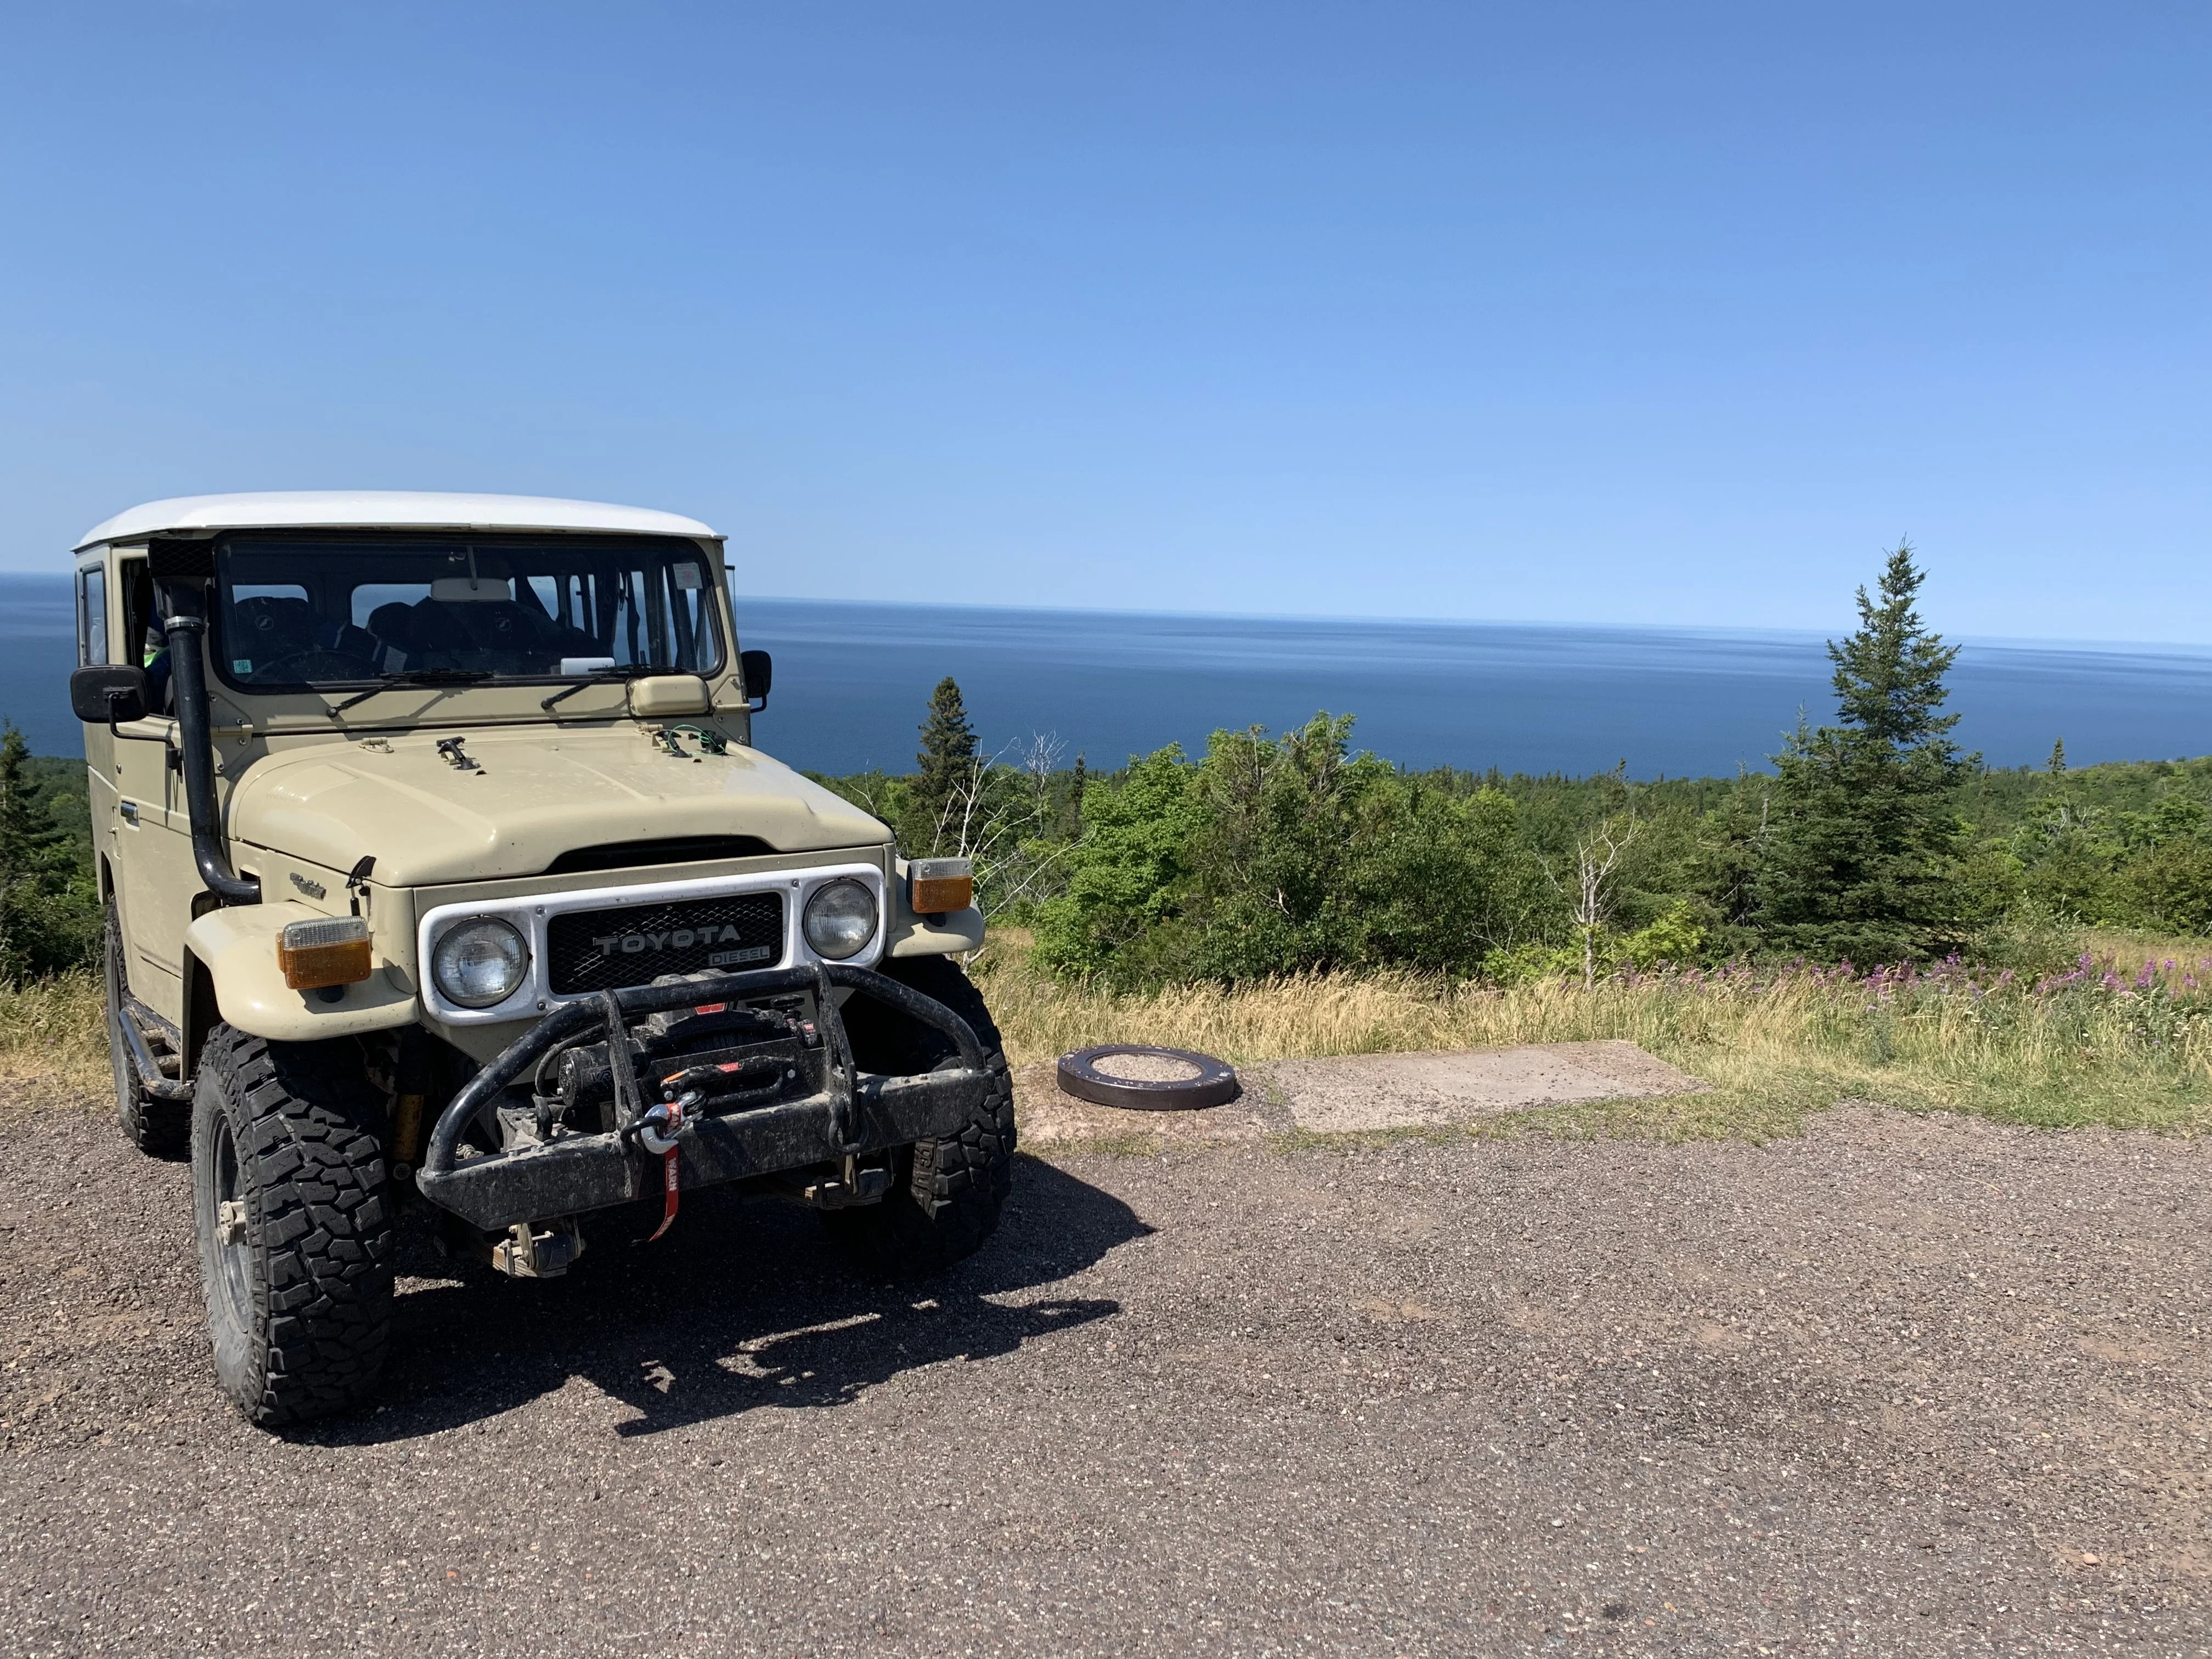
855, 1112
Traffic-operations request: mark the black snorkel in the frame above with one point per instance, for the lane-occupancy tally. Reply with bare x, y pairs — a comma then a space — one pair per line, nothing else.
186, 628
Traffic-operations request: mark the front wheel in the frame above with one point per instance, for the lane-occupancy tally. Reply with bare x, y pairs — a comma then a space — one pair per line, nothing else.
946, 1196
294, 1224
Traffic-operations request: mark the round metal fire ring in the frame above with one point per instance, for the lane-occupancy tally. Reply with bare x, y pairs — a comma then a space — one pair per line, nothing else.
1178, 1081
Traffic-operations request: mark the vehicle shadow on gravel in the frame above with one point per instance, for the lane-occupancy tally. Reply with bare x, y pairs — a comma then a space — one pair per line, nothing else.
744, 1304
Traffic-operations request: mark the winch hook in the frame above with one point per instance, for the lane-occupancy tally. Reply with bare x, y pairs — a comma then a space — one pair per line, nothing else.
656, 1130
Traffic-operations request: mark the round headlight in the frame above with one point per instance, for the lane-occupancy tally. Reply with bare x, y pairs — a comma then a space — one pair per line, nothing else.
479, 962
841, 920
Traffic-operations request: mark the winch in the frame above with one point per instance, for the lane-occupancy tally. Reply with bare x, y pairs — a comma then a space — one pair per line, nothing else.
726, 1057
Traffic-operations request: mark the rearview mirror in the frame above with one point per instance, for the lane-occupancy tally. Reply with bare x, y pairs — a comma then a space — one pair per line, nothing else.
107, 693
757, 673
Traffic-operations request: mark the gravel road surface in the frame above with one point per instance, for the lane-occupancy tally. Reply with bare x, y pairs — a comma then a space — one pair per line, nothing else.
1905, 1386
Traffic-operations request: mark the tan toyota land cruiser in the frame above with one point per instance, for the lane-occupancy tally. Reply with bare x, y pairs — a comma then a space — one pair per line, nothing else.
440, 866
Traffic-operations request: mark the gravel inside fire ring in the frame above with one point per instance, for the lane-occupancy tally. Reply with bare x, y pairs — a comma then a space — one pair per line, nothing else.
1147, 1068
1907, 1385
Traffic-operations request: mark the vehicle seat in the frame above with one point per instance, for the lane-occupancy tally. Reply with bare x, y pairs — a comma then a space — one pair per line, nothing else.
436, 638
565, 640
271, 627
559, 639
505, 628
392, 626
349, 640
501, 635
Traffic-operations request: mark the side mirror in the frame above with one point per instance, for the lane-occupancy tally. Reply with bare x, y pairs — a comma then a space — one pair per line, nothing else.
757, 673
107, 693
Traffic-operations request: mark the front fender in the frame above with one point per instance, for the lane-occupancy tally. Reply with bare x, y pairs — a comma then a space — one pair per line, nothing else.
918, 936
237, 945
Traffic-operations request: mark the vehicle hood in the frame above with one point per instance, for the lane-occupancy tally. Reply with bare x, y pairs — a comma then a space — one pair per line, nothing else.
530, 797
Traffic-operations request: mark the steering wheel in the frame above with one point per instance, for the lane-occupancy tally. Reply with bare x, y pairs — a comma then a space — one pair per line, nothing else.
317, 664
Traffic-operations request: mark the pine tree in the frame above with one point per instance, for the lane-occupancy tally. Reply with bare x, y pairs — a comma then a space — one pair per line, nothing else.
28, 837
2058, 758
944, 767
1861, 853
45, 920
1724, 867
1075, 798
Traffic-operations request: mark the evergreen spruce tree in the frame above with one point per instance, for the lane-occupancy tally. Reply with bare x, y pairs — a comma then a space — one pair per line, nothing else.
1861, 851
945, 767
30, 843
2058, 758
1075, 797
38, 934
1723, 866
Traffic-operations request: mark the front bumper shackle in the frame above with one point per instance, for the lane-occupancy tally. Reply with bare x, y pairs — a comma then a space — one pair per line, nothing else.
855, 1112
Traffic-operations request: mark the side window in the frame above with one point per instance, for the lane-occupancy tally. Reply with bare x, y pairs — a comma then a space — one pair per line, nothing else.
135, 587
91, 617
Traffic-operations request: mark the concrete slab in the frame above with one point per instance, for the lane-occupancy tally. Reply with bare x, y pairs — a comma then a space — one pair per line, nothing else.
1349, 1093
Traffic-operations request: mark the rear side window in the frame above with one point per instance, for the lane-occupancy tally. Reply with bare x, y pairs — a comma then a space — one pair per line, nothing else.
91, 617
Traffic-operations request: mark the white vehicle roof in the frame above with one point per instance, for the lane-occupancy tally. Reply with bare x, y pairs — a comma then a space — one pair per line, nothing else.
386, 509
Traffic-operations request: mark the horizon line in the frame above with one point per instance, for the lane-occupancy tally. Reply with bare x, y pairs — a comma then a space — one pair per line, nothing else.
2002, 641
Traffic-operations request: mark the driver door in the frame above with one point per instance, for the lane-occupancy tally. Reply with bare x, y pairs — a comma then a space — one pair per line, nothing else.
146, 830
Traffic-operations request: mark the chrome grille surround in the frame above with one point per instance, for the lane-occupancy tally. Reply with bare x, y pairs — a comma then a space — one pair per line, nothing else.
533, 915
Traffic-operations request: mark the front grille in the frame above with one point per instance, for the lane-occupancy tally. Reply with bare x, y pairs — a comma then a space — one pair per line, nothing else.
588, 950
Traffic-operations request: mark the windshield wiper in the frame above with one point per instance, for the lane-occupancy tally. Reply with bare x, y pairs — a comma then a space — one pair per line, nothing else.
412, 677
596, 676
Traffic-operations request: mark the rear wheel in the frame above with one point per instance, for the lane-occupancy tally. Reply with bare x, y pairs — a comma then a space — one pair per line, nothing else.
294, 1224
946, 1195
162, 1128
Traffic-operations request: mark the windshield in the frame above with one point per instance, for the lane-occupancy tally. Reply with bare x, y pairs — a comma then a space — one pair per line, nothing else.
294, 611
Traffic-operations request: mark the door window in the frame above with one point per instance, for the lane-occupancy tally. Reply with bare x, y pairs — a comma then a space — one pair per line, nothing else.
91, 617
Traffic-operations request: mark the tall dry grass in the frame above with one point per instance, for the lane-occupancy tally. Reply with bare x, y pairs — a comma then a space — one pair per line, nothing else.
2096, 1049
52, 1039
2100, 1046
2128, 951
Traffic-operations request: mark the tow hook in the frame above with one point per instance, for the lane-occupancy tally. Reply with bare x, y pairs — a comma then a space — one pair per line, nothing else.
855, 1185
657, 1128
530, 1250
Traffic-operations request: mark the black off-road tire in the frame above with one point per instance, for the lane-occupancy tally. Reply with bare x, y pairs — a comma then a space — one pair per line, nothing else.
946, 1195
299, 1301
160, 1129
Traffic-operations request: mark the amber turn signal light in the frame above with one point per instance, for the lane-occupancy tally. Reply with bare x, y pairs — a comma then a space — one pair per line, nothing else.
331, 951
941, 884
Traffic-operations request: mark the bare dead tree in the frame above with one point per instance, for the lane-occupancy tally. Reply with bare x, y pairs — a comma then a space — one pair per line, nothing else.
999, 813
1587, 884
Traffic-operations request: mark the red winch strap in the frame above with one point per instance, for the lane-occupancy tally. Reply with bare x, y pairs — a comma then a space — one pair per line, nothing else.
668, 1174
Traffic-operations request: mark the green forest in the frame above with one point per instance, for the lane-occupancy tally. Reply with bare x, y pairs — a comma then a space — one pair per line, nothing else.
1872, 840
49, 912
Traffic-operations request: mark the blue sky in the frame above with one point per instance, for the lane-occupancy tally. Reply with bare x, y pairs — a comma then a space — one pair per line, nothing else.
1607, 312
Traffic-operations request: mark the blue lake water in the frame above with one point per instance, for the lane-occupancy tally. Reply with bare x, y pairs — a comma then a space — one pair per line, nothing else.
851, 681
